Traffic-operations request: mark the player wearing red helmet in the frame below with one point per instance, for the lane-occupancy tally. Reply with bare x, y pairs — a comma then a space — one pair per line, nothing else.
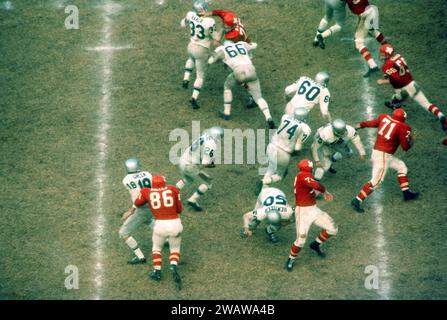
234, 29
165, 204
307, 212
397, 73
392, 132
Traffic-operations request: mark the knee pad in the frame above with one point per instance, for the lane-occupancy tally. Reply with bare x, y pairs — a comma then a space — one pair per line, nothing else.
319, 173
337, 156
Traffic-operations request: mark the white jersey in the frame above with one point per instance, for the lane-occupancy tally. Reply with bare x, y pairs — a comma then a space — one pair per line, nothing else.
202, 151
134, 182
289, 132
234, 54
203, 29
307, 93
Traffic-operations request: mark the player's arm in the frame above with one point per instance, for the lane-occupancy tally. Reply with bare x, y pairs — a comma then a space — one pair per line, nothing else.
324, 105
248, 219
251, 46
368, 124
217, 55
316, 145
178, 201
140, 201
357, 142
290, 90
406, 138
387, 69
305, 134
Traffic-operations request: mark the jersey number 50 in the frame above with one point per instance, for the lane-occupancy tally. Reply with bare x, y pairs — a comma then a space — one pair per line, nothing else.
165, 198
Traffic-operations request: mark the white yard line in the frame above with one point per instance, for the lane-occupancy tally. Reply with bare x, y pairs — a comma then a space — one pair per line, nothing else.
106, 51
369, 101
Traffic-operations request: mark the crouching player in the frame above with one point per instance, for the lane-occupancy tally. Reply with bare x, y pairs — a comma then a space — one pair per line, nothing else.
272, 207
307, 213
165, 204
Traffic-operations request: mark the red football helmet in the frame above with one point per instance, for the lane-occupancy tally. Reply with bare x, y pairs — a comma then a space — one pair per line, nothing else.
386, 50
158, 182
399, 115
230, 19
306, 165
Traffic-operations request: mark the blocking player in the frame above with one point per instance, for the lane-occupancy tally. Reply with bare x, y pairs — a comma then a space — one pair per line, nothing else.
203, 34
164, 202
272, 207
334, 9
392, 132
234, 29
331, 144
289, 138
307, 92
134, 181
367, 24
397, 73
200, 155
307, 213
236, 56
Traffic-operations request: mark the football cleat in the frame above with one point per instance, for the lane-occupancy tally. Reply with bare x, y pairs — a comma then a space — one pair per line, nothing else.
443, 121
356, 205
315, 246
271, 236
320, 40
176, 277
315, 42
332, 170
185, 84
270, 123
410, 195
195, 206
289, 264
251, 103
155, 275
136, 260
224, 116
194, 104
370, 72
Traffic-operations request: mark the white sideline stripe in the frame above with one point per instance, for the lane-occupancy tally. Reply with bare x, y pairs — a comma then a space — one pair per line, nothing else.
106, 50
160, 2
7, 5
369, 101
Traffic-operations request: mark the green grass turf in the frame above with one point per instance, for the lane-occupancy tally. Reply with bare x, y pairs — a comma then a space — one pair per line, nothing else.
50, 98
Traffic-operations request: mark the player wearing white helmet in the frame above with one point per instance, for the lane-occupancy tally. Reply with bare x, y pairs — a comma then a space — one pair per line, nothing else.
289, 138
307, 92
333, 9
331, 144
203, 34
271, 206
134, 181
201, 154
237, 57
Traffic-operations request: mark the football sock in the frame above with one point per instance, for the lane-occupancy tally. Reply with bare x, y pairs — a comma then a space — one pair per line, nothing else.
199, 192
180, 184
188, 69
403, 181
132, 243
174, 258
436, 111
367, 56
294, 250
365, 192
322, 237
156, 258
264, 108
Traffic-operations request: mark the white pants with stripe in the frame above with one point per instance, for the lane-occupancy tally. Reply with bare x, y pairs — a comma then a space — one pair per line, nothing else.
170, 230
306, 216
368, 23
413, 91
381, 161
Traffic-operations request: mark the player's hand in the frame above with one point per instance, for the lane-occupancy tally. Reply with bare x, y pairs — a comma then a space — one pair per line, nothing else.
383, 81
362, 157
126, 214
328, 196
413, 136
357, 126
248, 233
318, 164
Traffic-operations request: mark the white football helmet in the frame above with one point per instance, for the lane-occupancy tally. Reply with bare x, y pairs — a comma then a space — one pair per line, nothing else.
273, 217
133, 165
200, 5
300, 114
322, 78
339, 127
215, 132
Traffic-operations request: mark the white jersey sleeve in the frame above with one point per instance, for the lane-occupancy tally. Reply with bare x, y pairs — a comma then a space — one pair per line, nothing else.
306, 131
202, 29
355, 139
325, 96
217, 55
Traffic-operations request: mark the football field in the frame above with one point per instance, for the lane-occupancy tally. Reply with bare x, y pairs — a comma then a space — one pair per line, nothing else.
75, 104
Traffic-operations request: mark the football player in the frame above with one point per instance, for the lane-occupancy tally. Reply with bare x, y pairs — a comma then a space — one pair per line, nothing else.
331, 143
164, 202
201, 154
392, 132
307, 92
236, 56
234, 29
134, 181
367, 24
334, 9
272, 207
307, 213
203, 34
397, 73
289, 138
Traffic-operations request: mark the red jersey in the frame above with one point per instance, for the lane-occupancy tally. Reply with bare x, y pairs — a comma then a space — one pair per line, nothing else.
391, 133
237, 32
164, 203
304, 189
396, 70
357, 6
